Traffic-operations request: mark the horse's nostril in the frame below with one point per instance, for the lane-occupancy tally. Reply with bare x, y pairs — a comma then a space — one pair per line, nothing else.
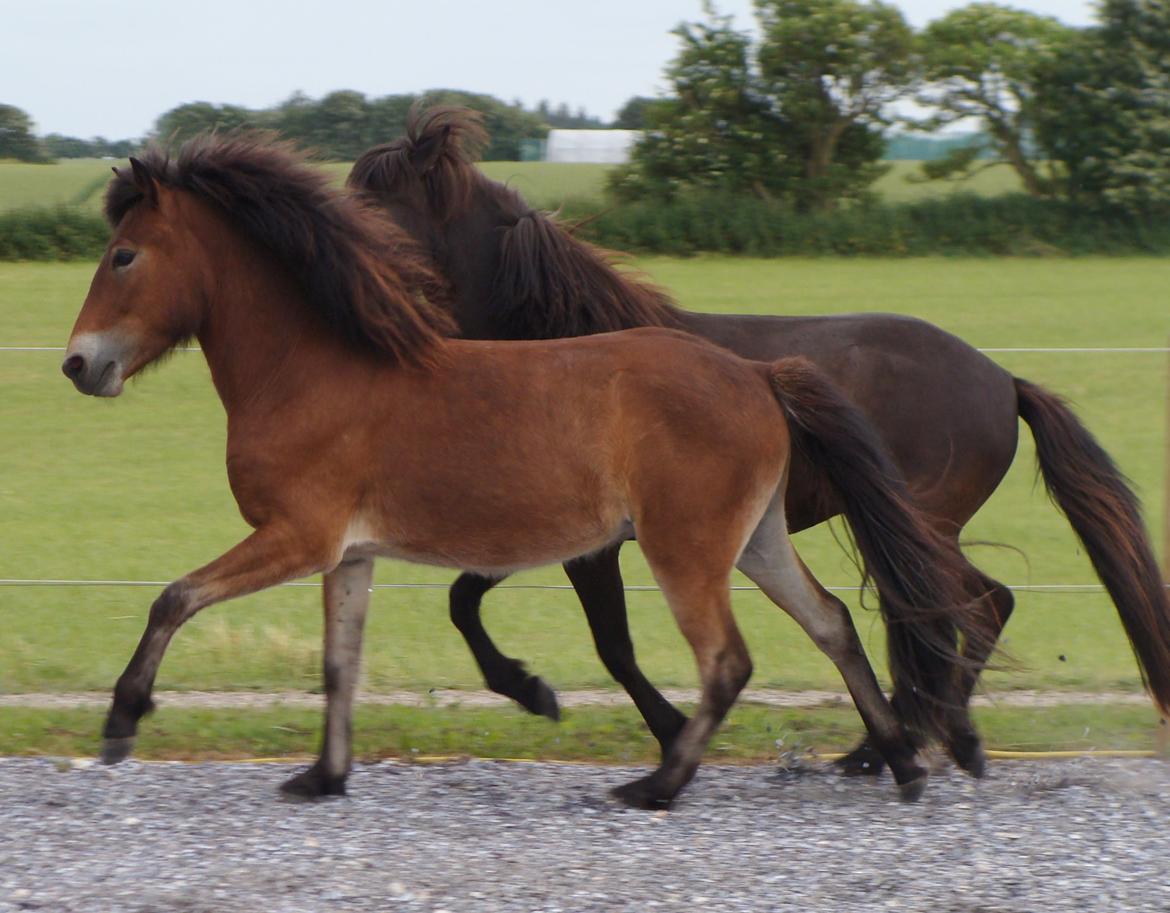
73, 366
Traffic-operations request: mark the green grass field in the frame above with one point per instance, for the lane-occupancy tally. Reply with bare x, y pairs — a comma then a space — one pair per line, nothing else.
898, 185
544, 184
134, 489
82, 181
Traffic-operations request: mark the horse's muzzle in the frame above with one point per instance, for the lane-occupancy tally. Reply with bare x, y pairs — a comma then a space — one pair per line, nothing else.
94, 368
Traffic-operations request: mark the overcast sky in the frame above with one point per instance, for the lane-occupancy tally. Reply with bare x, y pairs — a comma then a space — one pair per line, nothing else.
88, 69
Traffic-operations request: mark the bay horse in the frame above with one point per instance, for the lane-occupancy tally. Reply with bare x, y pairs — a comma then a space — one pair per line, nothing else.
357, 428
948, 414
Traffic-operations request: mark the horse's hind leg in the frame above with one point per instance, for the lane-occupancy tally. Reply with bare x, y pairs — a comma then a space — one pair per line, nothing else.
598, 582
346, 591
701, 603
501, 673
772, 564
995, 604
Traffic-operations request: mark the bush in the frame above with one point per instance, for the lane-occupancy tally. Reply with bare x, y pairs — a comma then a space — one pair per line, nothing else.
959, 225
61, 233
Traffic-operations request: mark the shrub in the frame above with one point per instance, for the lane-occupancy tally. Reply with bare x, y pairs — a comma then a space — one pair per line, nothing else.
61, 233
959, 225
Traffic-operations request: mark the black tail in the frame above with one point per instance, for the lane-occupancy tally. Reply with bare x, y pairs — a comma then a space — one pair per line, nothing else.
1085, 483
918, 572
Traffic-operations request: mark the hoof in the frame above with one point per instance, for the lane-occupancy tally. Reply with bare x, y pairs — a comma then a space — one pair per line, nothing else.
912, 790
977, 766
863, 761
538, 698
969, 755
117, 750
642, 793
312, 784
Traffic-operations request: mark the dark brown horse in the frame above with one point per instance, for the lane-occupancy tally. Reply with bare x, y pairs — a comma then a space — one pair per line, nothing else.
948, 414
357, 429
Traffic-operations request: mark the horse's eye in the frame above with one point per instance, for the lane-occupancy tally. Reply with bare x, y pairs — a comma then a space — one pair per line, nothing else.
122, 257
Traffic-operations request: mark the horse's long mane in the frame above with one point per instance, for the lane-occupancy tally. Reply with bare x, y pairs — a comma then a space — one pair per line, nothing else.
549, 283
356, 266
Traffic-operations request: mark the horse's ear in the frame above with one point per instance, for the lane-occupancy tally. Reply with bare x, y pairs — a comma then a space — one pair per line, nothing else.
425, 152
144, 181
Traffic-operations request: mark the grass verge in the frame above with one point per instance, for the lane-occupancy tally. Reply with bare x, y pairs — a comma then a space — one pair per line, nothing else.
752, 733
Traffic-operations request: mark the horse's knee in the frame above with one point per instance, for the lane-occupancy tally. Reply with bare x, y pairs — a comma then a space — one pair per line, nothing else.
171, 607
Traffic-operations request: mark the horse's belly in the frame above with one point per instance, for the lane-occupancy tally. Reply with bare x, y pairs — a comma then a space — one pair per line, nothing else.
491, 549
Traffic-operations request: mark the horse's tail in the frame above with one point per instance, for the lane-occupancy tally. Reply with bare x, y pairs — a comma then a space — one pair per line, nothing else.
919, 573
1102, 509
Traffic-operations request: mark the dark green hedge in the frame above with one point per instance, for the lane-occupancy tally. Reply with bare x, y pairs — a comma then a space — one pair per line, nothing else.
62, 233
969, 225
957, 225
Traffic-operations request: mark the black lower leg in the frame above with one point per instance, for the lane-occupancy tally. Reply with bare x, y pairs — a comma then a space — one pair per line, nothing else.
132, 693
501, 673
598, 582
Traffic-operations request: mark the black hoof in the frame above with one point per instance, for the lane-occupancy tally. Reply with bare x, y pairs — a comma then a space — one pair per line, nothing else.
538, 698
644, 793
912, 790
863, 761
312, 784
117, 750
970, 756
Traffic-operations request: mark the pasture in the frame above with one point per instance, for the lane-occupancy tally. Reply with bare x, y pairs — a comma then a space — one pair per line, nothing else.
545, 185
135, 490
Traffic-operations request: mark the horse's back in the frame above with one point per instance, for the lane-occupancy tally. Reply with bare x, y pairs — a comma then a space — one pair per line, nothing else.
946, 411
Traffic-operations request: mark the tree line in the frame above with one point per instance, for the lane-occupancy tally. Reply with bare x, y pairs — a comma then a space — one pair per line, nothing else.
799, 113
339, 126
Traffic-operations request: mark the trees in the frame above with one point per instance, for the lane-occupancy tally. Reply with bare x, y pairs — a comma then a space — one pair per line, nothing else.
185, 121
1135, 36
833, 67
17, 140
632, 115
342, 124
715, 131
797, 117
1103, 110
983, 62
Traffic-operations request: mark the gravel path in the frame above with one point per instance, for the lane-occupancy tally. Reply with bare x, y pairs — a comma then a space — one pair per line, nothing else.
483, 836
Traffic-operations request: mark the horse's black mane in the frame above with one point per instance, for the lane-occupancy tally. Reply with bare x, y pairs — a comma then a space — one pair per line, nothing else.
363, 273
549, 283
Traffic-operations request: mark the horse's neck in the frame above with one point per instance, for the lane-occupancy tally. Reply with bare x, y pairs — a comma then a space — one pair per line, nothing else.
470, 265
260, 336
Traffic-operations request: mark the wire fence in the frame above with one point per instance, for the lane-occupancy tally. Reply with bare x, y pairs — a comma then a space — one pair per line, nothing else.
987, 350
1071, 588
1059, 588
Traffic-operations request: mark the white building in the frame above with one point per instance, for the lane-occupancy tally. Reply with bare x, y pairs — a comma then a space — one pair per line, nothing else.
610, 147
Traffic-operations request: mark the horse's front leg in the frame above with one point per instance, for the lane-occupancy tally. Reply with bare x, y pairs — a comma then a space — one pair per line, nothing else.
267, 557
346, 592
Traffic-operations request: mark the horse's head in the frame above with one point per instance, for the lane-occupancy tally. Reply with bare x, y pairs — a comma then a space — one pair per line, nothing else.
141, 302
429, 184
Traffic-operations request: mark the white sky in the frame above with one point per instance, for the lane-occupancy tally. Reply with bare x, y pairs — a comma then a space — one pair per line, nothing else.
86, 69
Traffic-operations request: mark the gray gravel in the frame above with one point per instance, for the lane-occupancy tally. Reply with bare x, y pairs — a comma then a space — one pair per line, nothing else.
1088, 834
